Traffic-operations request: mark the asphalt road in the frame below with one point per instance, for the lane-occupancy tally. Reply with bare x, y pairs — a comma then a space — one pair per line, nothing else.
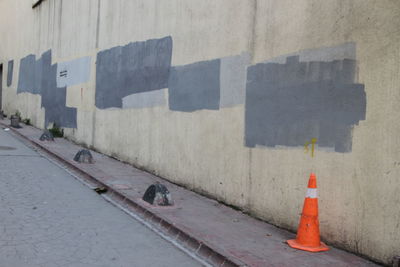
47, 218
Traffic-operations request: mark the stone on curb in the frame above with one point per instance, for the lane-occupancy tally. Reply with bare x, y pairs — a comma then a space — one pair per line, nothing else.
46, 136
83, 156
157, 194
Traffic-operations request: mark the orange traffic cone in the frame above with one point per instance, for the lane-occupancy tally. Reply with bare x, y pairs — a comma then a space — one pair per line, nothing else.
308, 232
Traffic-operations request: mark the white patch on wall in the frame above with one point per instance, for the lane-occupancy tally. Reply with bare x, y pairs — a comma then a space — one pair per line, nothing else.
233, 76
73, 72
145, 100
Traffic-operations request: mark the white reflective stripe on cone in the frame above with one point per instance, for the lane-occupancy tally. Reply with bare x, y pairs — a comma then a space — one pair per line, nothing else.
312, 193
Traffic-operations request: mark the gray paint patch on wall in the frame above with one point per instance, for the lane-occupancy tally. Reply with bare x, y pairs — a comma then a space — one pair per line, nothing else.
39, 77
145, 100
195, 86
288, 104
339, 52
73, 72
135, 68
233, 79
26, 79
10, 72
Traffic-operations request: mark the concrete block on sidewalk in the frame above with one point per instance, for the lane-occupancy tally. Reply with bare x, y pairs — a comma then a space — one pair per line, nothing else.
46, 136
158, 194
84, 156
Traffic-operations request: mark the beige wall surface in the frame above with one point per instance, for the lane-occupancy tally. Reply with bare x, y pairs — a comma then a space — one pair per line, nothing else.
225, 96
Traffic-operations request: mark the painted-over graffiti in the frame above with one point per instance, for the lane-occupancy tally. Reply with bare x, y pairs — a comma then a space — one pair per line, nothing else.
73, 72
287, 104
138, 67
288, 100
10, 72
195, 86
40, 77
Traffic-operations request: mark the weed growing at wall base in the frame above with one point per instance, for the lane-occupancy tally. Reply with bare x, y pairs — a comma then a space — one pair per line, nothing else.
56, 131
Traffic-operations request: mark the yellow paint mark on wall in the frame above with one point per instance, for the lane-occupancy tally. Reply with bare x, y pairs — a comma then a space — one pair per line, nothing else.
307, 144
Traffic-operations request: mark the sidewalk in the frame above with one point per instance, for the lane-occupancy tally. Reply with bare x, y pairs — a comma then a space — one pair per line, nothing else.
217, 232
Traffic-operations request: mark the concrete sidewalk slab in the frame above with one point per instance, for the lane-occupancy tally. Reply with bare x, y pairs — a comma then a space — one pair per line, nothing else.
238, 238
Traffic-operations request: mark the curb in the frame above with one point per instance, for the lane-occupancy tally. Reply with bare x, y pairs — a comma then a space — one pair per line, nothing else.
200, 248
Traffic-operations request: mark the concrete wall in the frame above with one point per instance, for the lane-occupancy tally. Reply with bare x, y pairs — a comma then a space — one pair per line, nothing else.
221, 96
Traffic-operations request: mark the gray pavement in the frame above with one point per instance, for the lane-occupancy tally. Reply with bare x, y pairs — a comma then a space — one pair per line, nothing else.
47, 218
